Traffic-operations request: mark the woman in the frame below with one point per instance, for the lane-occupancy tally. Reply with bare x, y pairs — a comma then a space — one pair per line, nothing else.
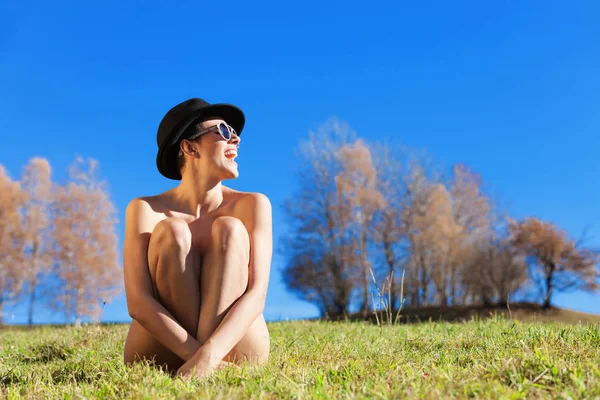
197, 257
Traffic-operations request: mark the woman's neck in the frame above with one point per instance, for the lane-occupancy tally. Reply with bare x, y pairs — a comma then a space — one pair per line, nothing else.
197, 194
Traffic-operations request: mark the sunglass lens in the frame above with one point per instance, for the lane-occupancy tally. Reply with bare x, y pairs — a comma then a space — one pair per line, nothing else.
224, 131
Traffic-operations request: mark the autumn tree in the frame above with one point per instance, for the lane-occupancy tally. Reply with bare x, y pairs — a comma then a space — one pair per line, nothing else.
389, 231
86, 243
416, 226
37, 249
370, 208
437, 235
562, 264
356, 187
443, 221
318, 247
12, 238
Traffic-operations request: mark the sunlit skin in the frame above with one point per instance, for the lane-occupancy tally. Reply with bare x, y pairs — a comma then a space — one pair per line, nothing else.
196, 266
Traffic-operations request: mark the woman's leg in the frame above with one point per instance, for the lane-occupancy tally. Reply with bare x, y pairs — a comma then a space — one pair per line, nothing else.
198, 292
224, 278
175, 273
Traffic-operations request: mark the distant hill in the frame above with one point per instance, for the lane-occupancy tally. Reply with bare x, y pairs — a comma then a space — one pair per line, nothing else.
526, 312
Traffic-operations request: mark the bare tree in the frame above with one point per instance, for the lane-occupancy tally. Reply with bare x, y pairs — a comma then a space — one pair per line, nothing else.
86, 260
12, 237
37, 249
318, 246
321, 280
471, 216
564, 264
496, 270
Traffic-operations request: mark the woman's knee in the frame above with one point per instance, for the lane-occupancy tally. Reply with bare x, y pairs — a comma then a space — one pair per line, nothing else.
172, 234
230, 232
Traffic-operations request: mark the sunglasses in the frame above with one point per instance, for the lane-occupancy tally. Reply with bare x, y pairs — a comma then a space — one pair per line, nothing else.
224, 130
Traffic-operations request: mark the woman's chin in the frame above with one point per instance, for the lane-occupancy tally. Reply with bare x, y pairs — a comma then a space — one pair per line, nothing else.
231, 171
234, 175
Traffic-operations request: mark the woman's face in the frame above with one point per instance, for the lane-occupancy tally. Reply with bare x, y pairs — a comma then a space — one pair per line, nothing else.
216, 154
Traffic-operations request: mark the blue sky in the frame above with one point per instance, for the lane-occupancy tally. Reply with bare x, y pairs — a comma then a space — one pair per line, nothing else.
510, 88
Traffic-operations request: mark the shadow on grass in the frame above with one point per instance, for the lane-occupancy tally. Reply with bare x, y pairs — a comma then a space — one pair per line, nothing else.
46, 353
10, 379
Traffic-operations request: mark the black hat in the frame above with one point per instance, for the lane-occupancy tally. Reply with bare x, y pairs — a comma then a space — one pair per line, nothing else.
178, 119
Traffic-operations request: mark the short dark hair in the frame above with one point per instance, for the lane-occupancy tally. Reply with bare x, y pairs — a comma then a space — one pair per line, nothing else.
192, 129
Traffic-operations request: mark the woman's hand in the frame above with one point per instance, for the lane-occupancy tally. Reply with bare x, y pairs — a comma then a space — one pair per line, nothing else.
201, 365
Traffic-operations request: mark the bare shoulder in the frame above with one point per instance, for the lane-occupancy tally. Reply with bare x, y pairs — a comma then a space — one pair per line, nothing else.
142, 213
251, 207
250, 200
256, 200
140, 206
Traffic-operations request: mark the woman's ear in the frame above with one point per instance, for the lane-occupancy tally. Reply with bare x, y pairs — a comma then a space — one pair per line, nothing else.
188, 148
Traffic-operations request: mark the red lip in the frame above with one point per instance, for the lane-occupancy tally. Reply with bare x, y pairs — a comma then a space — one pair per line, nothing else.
231, 156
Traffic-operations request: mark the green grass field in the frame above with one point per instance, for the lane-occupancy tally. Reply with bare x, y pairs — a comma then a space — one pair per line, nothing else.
495, 358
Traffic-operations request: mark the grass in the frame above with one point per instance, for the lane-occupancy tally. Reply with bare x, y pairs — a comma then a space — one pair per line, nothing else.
495, 358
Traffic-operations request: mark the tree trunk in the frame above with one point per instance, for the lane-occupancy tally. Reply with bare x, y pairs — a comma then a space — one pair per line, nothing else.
423, 274
389, 256
443, 298
68, 306
441, 287
547, 298
453, 290
486, 292
339, 304
365, 290
31, 303
504, 293
414, 289
365, 269
547, 304
485, 300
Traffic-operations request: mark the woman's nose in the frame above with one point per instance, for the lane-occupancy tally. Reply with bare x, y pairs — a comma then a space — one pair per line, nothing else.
235, 139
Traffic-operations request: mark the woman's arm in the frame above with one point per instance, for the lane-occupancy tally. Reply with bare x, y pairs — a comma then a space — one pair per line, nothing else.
141, 304
255, 213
